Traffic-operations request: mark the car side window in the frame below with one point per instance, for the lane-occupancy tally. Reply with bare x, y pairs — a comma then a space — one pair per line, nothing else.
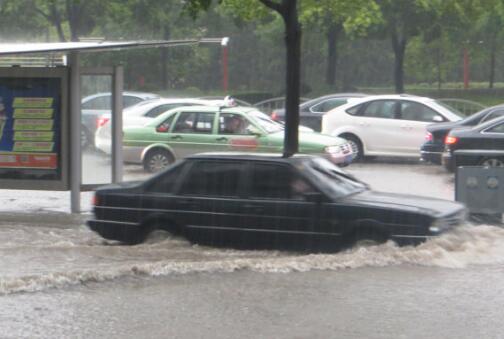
496, 129
166, 125
354, 110
213, 178
276, 181
194, 122
492, 115
417, 112
385, 109
327, 105
166, 183
129, 100
103, 102
230, 123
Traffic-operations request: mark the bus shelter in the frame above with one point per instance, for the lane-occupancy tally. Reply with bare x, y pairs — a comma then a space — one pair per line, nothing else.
40, 115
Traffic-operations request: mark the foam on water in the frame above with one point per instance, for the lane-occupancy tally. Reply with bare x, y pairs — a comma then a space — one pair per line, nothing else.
468, 246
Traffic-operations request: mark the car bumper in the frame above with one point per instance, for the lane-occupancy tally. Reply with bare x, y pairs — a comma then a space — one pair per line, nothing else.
448, 161
432, 157
432, 152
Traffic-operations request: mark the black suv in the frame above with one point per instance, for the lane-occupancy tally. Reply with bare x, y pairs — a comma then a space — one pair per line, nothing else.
257, 201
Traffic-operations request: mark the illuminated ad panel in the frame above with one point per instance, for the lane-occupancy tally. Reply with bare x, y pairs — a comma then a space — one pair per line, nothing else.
30, 131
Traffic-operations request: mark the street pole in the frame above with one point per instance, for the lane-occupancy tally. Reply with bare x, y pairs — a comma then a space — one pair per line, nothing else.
224, 44
466, 68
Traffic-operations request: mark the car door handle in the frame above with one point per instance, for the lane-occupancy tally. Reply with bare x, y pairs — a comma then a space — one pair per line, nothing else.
221, 139
176, 137
253, 207
187, 203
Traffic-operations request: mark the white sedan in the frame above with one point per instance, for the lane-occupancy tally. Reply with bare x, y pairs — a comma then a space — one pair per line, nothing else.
386, 125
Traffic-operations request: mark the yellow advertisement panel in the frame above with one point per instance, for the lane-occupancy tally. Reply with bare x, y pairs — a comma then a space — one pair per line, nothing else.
38, 102
33, 125
33, 146
33, 136
33, 113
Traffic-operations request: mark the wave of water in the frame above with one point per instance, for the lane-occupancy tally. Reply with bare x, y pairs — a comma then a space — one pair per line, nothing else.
479, 245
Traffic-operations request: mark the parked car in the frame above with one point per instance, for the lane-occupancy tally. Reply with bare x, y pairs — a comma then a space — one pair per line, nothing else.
188, 130
254, 200
386, 125
433, 147
96, 109
311, 111
481, 145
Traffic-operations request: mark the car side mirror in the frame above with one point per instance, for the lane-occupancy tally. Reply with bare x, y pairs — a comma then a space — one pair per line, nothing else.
163, 128
315, 197
437, 118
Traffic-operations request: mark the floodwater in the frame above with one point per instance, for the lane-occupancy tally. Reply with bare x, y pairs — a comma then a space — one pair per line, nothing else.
59, 280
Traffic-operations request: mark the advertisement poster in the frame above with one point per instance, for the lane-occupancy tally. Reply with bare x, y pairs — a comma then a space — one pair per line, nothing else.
30, 120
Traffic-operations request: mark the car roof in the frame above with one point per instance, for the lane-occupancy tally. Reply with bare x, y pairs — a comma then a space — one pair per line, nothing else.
143, 95
213, 108
249, 156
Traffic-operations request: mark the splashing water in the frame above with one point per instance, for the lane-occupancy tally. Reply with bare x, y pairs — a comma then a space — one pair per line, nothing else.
86, 258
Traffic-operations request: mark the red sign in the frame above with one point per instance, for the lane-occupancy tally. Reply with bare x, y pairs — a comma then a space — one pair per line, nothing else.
29, 160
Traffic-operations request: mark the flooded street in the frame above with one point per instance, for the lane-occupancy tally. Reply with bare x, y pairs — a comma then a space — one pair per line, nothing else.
60, 280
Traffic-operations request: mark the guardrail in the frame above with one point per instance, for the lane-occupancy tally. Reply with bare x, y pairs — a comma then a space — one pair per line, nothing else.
269, 105
466, 107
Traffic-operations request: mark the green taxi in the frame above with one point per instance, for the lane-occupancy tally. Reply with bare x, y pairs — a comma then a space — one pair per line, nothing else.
194, 129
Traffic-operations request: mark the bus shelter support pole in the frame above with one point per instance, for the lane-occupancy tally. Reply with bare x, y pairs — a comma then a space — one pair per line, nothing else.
117, 124
75, 133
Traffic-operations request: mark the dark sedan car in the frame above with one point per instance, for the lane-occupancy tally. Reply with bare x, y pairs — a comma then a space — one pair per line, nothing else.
244, 200
482, 145
311, 111
434, 146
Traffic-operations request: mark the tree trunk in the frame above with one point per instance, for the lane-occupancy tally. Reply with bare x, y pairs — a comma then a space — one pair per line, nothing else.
73, 12
293, 47
332, 52
164, 59
399, 46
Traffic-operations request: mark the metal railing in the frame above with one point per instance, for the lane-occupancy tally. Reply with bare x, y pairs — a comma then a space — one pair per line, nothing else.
466, 107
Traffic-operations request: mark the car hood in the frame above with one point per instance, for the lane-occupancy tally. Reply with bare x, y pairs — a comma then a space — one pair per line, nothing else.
406, 202
309, 138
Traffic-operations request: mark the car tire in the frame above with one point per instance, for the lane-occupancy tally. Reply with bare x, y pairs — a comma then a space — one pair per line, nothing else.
492, 162
157, 160
356, 145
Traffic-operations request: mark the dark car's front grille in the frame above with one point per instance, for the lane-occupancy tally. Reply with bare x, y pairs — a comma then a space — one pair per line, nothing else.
453, 219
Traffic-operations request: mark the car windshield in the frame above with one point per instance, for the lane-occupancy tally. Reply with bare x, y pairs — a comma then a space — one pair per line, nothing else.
339, 183
269, 125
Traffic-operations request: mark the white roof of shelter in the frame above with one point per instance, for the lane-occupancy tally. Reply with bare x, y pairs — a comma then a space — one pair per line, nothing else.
53, 47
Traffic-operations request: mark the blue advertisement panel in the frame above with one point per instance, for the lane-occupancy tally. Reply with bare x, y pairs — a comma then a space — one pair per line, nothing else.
30, 128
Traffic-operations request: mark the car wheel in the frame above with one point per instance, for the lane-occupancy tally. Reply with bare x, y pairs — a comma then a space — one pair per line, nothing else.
157, 160
356, 145
492, 162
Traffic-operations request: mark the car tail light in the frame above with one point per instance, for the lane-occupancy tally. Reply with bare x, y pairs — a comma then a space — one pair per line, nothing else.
450, 140
101, 121
274, 116
94, 200
428, 136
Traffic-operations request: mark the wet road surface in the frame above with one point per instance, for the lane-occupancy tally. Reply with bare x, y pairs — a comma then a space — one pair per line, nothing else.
60, 280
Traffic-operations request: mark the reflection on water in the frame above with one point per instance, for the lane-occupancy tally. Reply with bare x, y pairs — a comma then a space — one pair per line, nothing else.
35, 259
